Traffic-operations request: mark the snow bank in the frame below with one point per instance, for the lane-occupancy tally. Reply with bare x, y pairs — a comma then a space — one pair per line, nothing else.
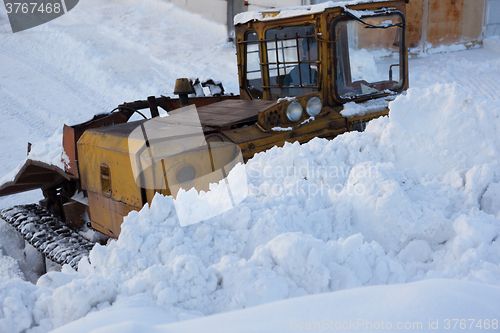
492, 44
408, 199
422, 306
446, 135
17, 258
132, 314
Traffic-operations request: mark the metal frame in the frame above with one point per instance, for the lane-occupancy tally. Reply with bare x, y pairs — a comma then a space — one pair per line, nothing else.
403, 65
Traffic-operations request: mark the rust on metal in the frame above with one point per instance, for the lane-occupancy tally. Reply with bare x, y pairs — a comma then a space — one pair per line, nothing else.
34, 175
444, 25
414, 19
232, 112
432, 23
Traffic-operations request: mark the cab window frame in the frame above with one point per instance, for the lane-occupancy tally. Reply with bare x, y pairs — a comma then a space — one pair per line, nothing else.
403, 73
285, 90
246, 81
266, 88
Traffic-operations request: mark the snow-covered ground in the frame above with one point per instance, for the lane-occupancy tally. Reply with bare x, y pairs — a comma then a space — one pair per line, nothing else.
397, 224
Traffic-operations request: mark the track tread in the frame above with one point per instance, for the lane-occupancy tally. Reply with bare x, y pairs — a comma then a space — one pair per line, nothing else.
48, 234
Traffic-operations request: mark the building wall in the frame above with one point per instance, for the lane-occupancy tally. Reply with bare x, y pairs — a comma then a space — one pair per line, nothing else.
493, 18
431, 23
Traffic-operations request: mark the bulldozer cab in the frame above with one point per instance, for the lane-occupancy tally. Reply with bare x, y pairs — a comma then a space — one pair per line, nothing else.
350, 53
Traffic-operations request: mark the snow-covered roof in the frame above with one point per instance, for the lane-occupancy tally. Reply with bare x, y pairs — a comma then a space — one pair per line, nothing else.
275, 13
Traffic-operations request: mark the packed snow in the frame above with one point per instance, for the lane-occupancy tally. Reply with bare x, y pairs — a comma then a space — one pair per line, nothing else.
402, 216
352, 109
421, 306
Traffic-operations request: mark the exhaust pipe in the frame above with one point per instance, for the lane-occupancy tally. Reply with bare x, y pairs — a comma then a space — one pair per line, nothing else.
183, 88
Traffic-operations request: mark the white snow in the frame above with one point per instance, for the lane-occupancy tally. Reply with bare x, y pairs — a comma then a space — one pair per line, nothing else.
361, 13
450, 48
193, 207
285, 129
286, 99
352, 109
426, 306
411, 203
49, 151
17, 258
492, 44
281, 129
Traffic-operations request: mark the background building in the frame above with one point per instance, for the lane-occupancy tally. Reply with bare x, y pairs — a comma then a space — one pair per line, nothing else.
431, 23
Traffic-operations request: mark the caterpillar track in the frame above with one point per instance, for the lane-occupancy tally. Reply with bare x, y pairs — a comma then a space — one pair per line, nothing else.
48, 234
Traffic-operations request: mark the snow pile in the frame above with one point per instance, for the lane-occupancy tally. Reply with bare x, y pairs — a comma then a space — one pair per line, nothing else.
408, 199
362, 209
445, 136
193, 206
9, 268
17, 258
492, 43
421, 306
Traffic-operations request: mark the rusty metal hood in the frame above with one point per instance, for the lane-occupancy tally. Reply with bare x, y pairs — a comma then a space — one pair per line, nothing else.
232, 113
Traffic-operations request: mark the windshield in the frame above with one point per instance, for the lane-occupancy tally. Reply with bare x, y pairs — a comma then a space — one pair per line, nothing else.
292, 59
292, 64
369, 56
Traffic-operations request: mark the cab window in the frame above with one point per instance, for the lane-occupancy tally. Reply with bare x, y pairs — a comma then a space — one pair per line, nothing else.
292, 60
253, 72
369, 55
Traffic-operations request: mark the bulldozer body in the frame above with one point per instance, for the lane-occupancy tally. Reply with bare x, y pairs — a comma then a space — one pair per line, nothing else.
296, 73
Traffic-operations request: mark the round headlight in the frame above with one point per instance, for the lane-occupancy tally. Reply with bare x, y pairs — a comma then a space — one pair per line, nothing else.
294, 111
313, 106
185, 174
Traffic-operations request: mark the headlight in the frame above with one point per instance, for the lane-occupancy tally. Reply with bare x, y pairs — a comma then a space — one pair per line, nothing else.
313, 106
294, 111
185, 174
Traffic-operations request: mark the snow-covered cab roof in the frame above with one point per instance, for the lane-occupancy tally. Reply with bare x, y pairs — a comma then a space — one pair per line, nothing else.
277, 13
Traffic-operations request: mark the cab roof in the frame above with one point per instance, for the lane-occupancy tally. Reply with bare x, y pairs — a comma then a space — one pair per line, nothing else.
277, 13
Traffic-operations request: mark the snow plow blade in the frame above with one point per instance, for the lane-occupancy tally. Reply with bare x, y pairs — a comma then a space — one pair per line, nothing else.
34, 175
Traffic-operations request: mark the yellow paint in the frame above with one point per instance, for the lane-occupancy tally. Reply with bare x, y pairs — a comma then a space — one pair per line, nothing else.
110, 148
268, 15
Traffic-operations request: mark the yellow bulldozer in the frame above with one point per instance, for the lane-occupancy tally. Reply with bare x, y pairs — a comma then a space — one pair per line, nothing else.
304, 72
